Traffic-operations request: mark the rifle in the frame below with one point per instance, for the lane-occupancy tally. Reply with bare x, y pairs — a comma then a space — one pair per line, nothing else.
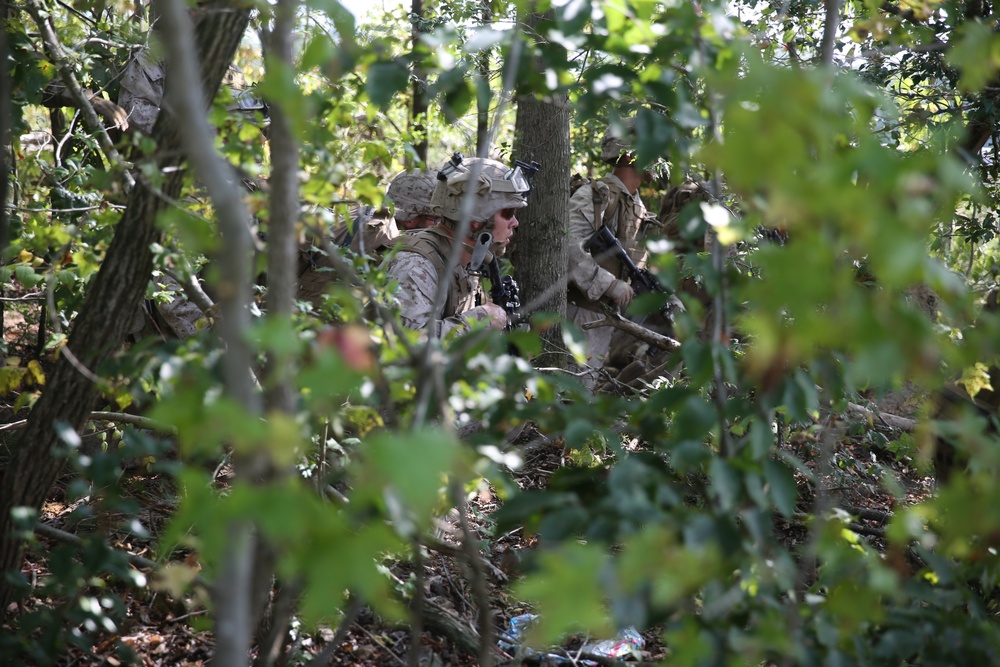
503, 289
603, 243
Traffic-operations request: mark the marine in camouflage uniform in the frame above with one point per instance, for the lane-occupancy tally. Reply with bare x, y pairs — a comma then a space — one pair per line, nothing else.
410, 193
612, 201
422, 260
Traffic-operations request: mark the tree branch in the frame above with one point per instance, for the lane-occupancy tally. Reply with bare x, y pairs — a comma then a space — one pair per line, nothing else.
642, 333
57, 55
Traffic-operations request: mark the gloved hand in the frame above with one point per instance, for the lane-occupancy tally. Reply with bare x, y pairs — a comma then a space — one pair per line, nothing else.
620, 293
112, 113
498, 316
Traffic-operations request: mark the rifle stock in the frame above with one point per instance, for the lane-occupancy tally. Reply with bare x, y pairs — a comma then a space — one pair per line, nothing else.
603, 243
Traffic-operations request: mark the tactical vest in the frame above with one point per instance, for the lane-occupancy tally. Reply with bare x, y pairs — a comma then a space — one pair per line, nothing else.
432, 244
621, 217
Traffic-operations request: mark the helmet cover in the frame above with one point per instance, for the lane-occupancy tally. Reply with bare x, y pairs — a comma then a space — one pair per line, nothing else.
495, 187
618, 140
411, 192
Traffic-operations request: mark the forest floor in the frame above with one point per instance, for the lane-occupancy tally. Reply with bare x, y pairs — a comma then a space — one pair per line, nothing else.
163, 631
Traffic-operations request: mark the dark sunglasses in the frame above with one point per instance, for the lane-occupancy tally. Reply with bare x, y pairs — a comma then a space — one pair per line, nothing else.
508, 213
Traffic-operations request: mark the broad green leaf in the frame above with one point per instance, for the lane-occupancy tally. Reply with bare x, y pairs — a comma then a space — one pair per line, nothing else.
566, 592
385, 81
782, 486
976, 54
726, 484
412, 467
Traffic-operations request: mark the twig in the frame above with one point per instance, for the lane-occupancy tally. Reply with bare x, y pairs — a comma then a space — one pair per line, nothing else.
417, 606
122, 417
188, 615
892, 421
637, 330
37, 296
55, 52
350, 614
454, 551
867, 514
478, 580
54, 533
380, 643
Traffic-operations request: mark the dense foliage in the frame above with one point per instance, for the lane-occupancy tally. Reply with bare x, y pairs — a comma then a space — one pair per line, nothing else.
865, 137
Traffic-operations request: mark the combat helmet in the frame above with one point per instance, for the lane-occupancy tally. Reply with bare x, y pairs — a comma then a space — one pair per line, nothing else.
411, 192
618, 140
495, 187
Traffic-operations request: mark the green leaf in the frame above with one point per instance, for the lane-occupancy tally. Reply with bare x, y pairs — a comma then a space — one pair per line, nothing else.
782, 486
976, 54
385, 81
578, 432
67, 434
566, 593
726, 484
412, 467
26, 275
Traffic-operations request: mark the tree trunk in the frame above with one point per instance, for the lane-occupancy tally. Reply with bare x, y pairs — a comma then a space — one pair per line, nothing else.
541, 133
483, 100
6, 161
418, 112
116, 292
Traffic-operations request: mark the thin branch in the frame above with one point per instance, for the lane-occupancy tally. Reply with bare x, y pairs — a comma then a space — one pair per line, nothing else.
193, 289
57, 55
613, 319
78, 209
54, 533
830, 31
892, 421
350, 615
478, 580
232, 595
114, 417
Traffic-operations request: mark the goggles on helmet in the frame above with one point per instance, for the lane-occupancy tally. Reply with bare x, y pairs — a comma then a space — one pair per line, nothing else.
513, 181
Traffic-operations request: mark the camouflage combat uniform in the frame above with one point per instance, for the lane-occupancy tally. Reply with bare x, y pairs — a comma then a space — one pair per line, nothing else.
422, 260
140, 95
623, 214
410, 192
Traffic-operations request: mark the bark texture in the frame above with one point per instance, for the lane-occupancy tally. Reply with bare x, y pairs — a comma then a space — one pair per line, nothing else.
117, 289
539, 253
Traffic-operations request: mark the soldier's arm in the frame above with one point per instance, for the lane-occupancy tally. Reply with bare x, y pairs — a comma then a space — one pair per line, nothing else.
584, 271
418, 283
56, 96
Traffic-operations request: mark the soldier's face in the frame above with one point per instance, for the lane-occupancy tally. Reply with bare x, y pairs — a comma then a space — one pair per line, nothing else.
419, 222
504, 224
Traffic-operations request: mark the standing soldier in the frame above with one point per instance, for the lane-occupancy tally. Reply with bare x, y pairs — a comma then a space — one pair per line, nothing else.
612, 201
419, 267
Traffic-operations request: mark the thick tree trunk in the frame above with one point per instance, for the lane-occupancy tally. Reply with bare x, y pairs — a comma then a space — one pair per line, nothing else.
483, 101
115, 294
539, 254
418, 112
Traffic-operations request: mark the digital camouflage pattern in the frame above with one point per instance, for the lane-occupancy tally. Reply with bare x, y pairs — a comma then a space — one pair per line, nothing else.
422, 260
417, 269
141, 90
623, 214
411, 192
617, 142
493, 192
